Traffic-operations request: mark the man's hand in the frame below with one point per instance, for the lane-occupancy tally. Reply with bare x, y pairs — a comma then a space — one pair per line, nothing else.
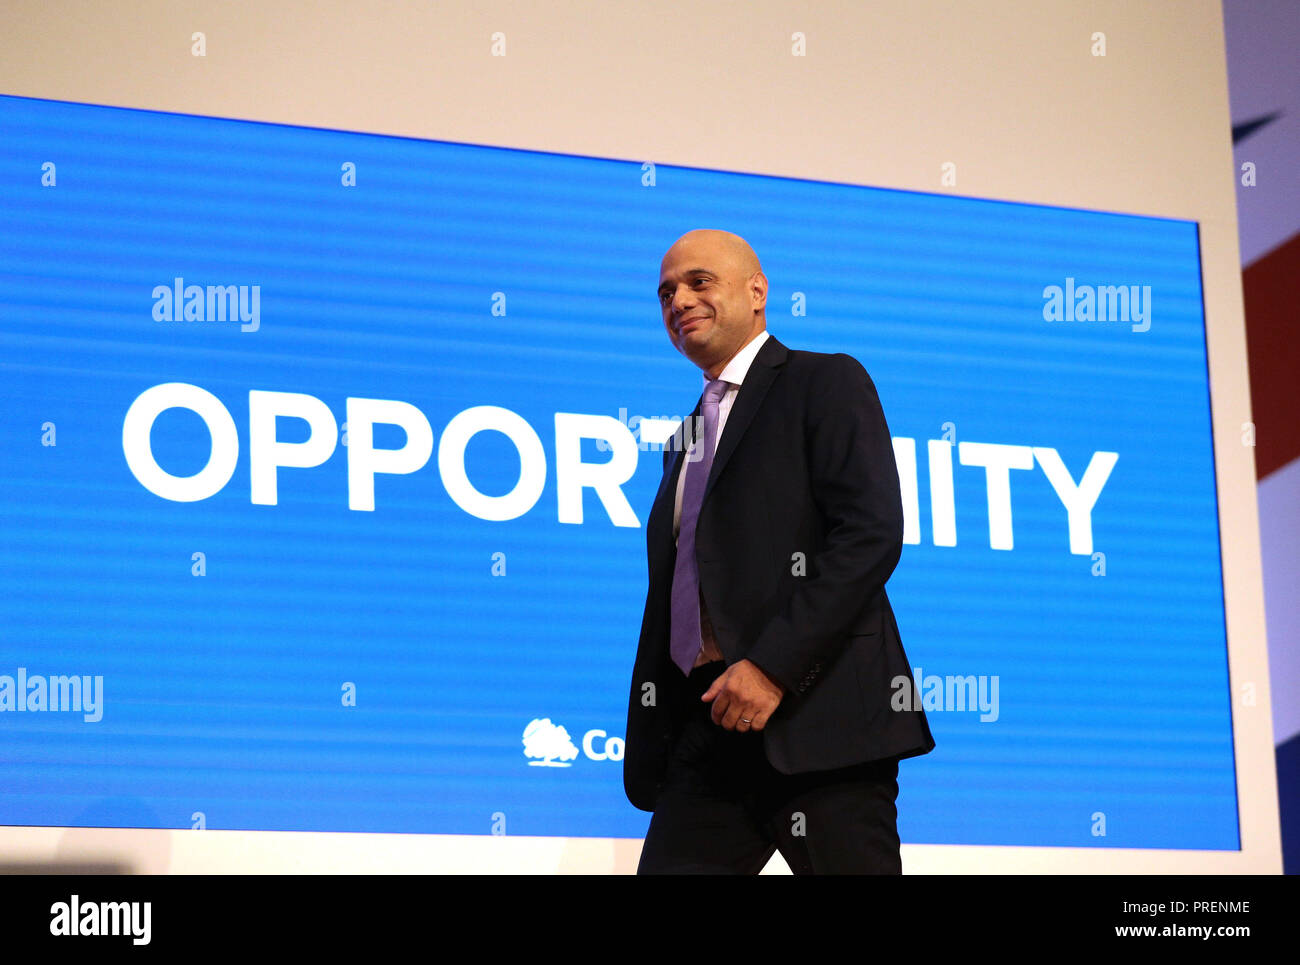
744, 697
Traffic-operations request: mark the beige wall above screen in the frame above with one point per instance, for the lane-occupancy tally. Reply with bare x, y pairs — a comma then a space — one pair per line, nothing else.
1013, 93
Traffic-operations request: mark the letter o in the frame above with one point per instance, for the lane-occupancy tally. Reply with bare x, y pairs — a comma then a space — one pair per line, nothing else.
588, 739
614, 749
532, 463
136, 446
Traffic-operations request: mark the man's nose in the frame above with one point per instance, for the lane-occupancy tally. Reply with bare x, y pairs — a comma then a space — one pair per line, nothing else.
682, 301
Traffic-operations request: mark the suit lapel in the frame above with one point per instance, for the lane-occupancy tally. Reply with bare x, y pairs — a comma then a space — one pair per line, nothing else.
669, 481
659, 527
759, 378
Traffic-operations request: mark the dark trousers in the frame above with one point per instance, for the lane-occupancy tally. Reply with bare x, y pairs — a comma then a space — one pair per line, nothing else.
724, 809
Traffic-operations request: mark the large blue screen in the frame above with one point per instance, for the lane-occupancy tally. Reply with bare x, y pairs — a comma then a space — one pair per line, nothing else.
327, 456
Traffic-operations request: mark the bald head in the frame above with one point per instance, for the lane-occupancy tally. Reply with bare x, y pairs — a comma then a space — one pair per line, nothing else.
730, 248
713, 295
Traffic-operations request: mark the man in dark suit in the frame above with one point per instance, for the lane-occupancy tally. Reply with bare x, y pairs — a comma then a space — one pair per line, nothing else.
760, 711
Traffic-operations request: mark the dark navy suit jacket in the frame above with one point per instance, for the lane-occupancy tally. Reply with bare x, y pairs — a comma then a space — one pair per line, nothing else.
800, 528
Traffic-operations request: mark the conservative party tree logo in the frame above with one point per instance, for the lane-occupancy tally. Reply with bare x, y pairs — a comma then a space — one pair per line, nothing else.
550, 742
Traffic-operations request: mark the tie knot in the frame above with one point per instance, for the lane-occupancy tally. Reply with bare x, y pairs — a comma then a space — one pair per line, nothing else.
713, 392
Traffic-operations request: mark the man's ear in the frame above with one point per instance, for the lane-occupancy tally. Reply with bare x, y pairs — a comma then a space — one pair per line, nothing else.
758, 290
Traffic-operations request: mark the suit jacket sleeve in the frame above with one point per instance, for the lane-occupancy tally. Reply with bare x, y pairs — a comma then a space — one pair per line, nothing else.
854, 484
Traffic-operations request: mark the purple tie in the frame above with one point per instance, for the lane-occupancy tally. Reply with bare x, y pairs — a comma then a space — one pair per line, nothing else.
685, 634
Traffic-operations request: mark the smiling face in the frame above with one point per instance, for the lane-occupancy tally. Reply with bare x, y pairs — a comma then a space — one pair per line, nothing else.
713, 296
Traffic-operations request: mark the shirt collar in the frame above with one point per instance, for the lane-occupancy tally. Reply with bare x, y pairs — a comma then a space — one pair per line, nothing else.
738, 367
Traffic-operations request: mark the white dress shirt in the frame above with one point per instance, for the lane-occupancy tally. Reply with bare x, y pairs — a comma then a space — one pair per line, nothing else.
735, 374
